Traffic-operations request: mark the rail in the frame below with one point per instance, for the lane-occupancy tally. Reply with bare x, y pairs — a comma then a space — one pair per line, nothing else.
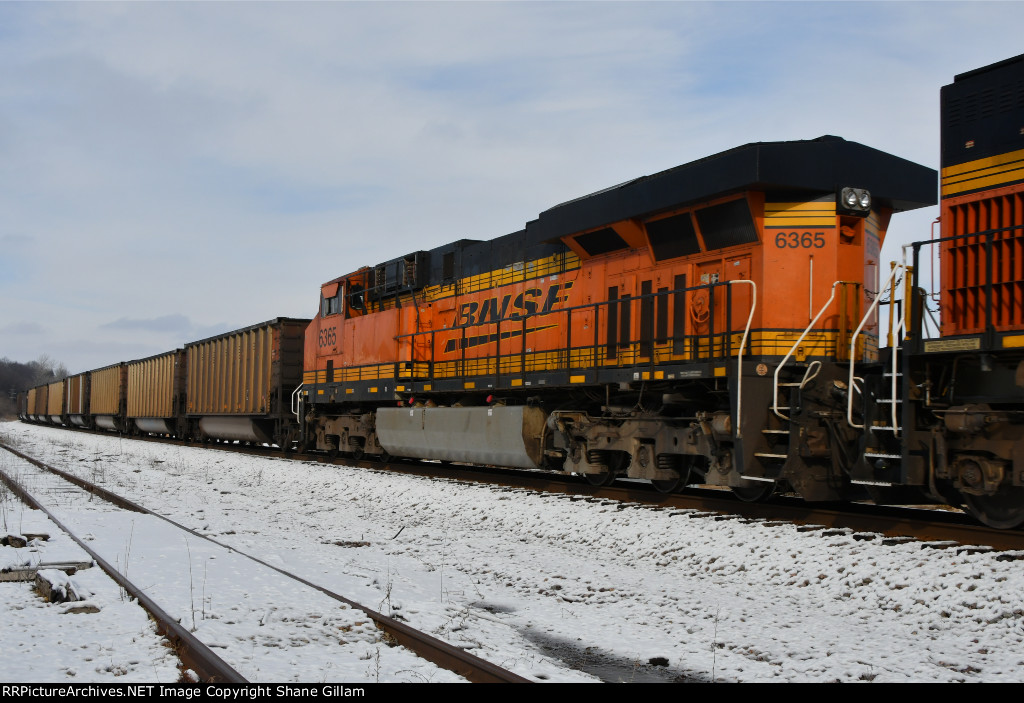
210, 666
796, 345
679, 325
193, 653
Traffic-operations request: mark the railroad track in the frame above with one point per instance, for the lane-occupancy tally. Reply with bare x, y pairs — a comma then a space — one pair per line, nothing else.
928, 524
371, 504
924, 523
193, 653
198, 656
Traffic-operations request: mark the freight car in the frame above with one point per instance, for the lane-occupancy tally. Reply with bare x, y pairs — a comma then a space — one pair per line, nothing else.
108, 398
155, 394
236, 386
76, 399
239, 385
22, 404
37, 403
55, 402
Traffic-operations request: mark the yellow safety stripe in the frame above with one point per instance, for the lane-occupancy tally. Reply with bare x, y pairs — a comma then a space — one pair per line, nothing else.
983, 173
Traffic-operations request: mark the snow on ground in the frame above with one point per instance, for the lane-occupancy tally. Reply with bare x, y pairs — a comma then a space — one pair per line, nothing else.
48, 642
266, 626
562, 589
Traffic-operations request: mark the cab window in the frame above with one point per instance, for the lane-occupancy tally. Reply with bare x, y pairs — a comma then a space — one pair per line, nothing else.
332, 305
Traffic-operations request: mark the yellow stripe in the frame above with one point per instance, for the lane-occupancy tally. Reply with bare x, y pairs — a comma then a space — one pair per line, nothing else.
983, 173
979, 164
813, 214
791, 222
761, 342
808, 207
518, 273
1013, 342
1011, 176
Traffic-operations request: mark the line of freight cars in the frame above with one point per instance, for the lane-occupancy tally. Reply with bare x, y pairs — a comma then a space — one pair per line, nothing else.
235, 386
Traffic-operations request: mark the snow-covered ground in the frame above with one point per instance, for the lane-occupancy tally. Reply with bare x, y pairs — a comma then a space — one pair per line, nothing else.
559, 589
266, 626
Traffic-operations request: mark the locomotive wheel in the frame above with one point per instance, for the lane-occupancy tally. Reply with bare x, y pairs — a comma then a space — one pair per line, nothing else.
1004, 510
617, 463
601, 479
670, 485
674, 485
284, 441
754, 491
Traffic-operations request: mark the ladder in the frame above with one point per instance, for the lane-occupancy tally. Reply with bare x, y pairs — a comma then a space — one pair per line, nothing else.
883, 440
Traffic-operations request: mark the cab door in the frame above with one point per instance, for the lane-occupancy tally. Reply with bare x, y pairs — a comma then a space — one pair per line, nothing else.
329, 333
707, 305
737, 268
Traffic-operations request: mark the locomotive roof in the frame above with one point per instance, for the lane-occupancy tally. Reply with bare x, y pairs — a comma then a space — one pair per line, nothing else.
986, 69
981, 115
824, 164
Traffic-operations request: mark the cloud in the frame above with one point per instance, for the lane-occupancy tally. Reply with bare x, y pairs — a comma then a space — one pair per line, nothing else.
225, 159
23, 328
179, 329
166, 323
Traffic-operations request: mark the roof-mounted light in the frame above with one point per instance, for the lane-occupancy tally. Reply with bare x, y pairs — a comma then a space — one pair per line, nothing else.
854, 201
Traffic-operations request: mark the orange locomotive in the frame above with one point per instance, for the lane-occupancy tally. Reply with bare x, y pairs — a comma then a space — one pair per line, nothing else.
656, 329
946, 416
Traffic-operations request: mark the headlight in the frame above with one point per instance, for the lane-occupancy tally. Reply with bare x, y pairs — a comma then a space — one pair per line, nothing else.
853, 201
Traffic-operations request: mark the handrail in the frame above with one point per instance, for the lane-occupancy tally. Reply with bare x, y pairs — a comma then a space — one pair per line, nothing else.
596, 343
569, 311
796, 345
295, 402
895, 366
739, 356
853, 342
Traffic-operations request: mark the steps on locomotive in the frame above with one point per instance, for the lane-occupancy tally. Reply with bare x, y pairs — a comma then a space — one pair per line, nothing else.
772, 449
881, 458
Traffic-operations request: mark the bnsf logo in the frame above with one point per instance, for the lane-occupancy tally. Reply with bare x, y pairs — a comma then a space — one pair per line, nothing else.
532, 301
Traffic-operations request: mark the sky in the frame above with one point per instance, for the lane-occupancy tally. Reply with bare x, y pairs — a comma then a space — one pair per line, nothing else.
550, 586
169, 171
